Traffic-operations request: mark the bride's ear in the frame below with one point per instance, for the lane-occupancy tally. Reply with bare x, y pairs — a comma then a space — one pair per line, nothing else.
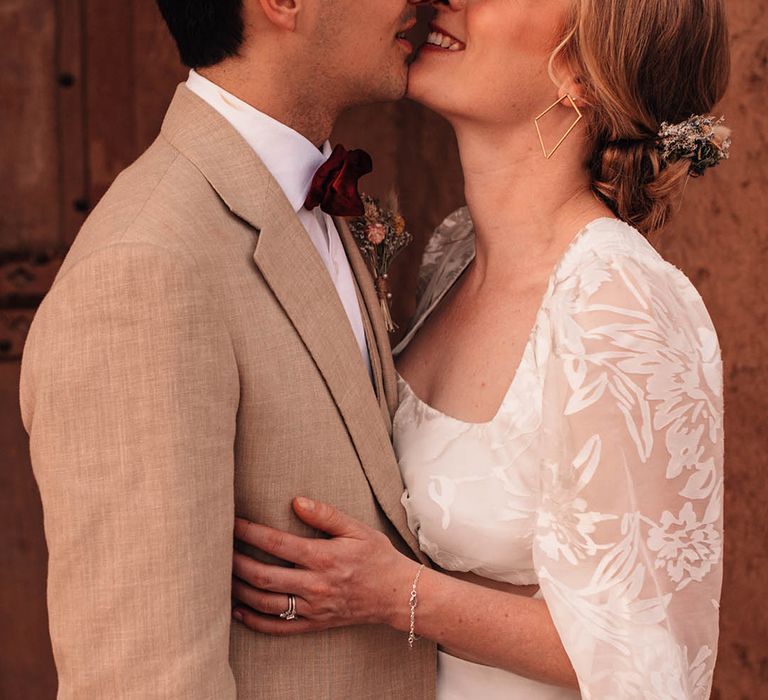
572, 85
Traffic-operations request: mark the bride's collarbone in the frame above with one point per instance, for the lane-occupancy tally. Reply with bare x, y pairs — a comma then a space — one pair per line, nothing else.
463, 360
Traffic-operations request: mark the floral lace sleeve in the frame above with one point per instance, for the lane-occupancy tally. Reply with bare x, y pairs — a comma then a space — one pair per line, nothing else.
628, 542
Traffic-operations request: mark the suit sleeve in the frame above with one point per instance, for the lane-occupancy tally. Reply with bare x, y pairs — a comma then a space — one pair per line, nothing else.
129, 395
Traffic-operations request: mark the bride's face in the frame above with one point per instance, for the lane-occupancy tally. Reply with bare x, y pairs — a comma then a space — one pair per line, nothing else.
491, 64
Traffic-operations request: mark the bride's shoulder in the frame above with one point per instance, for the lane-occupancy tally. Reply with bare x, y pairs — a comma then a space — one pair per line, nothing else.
612, 270
451, 244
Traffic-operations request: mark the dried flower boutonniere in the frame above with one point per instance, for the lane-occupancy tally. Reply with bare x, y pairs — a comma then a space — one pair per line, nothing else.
380, 234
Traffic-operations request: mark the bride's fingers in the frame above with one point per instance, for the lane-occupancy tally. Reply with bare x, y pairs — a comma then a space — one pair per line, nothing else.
268, 577
328, 518
264, 601
283, 545
269, 624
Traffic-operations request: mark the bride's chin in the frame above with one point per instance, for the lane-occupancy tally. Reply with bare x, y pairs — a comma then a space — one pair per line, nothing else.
421, 85
431, 99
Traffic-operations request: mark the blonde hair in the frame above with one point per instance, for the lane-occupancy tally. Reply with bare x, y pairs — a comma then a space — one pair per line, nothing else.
641, 63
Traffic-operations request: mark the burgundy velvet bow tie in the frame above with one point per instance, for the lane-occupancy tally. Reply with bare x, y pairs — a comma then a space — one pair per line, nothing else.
334, 187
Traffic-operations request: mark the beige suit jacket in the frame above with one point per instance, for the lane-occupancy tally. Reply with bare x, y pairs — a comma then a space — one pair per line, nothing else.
193, 361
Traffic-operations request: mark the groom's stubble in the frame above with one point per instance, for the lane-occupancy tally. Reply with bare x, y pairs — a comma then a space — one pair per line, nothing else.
355, 40
338, 54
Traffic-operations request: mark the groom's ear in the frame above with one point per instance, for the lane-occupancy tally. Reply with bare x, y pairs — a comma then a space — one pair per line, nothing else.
282, 13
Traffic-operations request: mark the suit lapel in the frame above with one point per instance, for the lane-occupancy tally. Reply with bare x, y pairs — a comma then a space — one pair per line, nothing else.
290, 265
362, 274
295, 273
375, 360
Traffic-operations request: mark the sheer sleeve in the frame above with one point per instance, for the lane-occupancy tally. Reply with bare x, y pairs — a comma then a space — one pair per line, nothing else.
449, 250
628, 541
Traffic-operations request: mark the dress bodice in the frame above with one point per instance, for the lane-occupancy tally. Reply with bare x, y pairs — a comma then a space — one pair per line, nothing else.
471, 488
600, 477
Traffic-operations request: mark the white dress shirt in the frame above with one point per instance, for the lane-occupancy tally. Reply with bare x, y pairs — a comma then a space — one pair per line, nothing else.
293, 161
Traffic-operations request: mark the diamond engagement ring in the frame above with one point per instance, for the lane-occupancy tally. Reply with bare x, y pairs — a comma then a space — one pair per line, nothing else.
290, 614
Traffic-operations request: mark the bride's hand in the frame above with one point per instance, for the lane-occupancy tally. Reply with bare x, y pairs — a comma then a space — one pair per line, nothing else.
356, 577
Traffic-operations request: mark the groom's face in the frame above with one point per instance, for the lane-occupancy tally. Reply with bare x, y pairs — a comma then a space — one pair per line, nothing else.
360, 50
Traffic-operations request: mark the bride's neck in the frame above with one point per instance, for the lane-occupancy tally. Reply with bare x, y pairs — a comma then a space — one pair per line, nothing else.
525, 208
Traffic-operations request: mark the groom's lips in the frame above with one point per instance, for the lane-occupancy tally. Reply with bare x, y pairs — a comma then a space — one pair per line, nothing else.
400, 36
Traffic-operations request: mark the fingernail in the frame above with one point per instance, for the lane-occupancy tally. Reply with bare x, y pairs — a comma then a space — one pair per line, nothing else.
237, 615
305, 503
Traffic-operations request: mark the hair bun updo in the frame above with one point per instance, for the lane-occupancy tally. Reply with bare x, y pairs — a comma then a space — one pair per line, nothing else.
646, 66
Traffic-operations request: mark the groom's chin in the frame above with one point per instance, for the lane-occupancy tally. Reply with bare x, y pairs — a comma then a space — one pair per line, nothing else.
412, 83
408, 85
391, 90
397, 86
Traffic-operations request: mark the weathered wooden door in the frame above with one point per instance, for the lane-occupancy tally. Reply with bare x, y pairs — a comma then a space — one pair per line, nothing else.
84, 85
82, 90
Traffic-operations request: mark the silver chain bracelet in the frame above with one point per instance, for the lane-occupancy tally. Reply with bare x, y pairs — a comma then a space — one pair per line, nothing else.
413, 602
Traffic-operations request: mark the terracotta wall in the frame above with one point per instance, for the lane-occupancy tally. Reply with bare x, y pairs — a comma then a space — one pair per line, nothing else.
83, 86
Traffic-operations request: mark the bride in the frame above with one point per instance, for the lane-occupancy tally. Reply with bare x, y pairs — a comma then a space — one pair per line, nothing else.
560, 425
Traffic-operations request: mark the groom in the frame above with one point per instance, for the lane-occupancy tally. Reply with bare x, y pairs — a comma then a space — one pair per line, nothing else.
212, 347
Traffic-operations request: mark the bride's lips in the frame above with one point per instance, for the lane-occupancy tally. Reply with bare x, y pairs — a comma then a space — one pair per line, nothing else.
401, 38
441, 40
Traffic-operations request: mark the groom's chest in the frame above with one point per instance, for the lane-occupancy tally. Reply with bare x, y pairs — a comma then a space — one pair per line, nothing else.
294, 434
301, 365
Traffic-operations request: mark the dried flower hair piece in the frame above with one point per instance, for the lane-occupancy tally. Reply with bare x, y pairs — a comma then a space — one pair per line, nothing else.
704, 141
380, 234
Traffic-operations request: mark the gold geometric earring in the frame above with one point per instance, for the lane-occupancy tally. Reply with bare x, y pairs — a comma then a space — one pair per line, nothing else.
565, 135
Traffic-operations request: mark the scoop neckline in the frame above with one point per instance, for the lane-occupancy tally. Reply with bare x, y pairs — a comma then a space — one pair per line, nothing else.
504, 400
537, 320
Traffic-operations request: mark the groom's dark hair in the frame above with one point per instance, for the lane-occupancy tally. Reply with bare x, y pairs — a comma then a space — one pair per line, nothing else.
205, 31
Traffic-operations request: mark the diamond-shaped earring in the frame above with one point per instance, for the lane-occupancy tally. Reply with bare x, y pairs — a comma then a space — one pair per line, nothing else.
565, 135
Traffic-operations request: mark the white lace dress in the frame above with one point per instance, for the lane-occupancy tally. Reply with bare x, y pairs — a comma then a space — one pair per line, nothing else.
600, 478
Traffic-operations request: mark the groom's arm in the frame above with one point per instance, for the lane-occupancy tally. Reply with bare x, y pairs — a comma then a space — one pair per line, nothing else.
129, 394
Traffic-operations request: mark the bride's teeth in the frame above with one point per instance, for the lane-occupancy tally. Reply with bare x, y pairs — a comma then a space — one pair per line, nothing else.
442, 41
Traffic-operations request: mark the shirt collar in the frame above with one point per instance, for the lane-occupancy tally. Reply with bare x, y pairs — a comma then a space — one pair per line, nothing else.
292, 159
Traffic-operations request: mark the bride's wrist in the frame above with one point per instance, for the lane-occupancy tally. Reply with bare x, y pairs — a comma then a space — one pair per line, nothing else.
397, 610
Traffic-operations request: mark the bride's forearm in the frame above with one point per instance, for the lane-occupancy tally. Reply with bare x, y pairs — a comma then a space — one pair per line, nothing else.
487, 626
